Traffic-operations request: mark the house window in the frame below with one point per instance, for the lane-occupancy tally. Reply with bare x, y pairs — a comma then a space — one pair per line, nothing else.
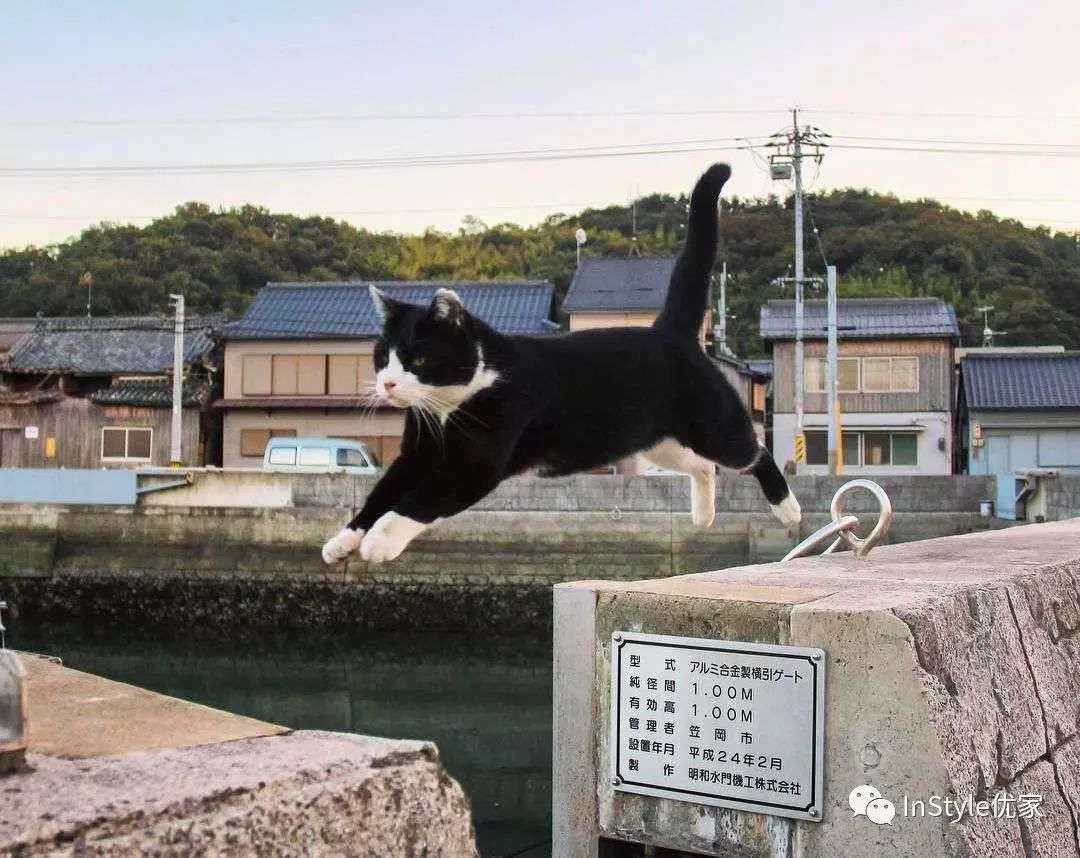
126, 444
866, 449
816, 374
255, 379
298, 375
890, 374
253, 441
349, 375
759, 397
817, 448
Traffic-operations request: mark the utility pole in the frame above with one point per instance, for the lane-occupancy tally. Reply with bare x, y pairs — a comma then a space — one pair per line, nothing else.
720, 328
175, 457
834, 458
791, 148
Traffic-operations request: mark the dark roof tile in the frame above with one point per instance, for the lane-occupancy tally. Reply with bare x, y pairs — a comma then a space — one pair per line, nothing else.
1017, 381
863, 317
109, 345
615, 283
316, 310
149, 393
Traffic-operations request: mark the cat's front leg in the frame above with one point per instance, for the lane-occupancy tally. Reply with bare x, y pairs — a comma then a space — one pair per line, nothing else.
454, 489
404, 473
388, 538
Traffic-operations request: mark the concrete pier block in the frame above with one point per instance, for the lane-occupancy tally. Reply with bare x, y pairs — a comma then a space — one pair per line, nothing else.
115, 770
952, 674
307, 793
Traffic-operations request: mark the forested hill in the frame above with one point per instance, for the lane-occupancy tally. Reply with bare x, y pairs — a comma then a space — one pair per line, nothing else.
881, 246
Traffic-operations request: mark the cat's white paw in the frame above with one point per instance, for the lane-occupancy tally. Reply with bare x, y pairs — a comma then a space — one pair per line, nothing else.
788, 511
388, 537
341, 546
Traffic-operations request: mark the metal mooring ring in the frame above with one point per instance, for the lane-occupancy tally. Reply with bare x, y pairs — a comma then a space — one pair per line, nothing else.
843, 526
861, 545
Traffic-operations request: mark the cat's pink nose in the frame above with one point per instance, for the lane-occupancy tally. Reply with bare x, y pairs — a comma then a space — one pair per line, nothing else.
389, 385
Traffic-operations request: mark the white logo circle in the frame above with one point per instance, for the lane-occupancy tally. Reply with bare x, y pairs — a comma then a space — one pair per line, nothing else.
860, 797
880, 811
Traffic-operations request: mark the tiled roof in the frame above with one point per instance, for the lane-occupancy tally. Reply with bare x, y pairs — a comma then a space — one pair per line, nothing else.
109, 345
616, 283
309, 310
761, 367
863, 317
149, 393
13, 330
1022, 381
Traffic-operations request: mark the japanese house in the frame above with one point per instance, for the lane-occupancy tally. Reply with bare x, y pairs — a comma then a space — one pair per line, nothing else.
1017, 413
97, 393
895, 384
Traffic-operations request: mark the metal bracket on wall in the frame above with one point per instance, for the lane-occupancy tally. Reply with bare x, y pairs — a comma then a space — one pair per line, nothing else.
842, 527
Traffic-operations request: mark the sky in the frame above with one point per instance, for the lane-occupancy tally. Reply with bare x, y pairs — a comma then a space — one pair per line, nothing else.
186, 85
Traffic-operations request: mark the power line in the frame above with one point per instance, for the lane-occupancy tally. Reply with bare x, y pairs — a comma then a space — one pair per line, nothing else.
369, 117
957, 142
510, 156
932, 115
949, 151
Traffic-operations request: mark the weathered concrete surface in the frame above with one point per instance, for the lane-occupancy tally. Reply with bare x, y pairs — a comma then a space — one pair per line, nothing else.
308, 793
953, 672
75, 715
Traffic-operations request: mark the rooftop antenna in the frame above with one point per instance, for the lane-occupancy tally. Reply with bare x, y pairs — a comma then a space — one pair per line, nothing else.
580, 237
988, 332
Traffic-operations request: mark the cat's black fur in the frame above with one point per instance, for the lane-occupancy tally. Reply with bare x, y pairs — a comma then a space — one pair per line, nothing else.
566, 403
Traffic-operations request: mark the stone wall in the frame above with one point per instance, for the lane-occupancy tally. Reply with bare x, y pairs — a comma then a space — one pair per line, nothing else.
1063, 497
494, 566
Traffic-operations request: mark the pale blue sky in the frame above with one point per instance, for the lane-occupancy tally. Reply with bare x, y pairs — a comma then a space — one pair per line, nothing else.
104, 83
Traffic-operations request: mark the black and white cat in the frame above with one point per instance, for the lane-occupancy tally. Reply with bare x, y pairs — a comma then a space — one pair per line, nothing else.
483, 406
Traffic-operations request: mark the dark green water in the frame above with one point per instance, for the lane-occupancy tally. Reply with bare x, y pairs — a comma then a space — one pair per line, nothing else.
486, 702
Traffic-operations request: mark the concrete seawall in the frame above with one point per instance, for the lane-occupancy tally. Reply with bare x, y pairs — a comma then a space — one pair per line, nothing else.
115, 770
493, 566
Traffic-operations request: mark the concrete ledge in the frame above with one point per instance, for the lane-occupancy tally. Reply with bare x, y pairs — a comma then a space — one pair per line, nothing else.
76, 715
953, 672
308, 793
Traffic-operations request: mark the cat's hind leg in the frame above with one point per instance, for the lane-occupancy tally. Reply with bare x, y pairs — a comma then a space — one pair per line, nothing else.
674, 456
716, 427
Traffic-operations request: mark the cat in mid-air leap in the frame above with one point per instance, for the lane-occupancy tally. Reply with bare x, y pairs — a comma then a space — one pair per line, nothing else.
483, 406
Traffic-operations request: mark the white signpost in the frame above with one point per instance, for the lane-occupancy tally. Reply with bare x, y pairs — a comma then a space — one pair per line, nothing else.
723, 723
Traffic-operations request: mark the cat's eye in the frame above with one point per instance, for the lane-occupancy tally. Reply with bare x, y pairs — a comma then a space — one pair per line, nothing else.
418, 361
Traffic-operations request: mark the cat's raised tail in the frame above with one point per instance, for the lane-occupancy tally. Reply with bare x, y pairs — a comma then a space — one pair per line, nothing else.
688, 294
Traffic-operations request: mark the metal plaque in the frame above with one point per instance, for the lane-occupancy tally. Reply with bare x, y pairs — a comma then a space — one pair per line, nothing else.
723, 723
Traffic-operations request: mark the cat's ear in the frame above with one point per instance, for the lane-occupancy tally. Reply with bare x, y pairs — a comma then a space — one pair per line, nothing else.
385, 307
447, 305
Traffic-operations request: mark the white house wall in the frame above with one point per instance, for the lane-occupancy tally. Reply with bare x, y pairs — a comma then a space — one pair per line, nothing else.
929, 426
